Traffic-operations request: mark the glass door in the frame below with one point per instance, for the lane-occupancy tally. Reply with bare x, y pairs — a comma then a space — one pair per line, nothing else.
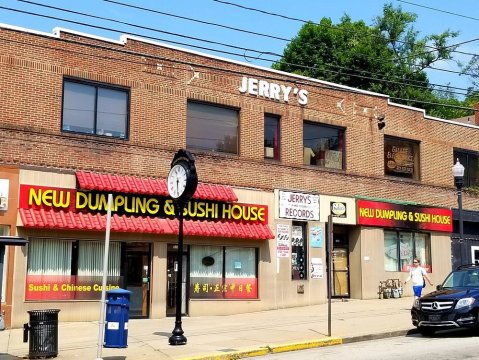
137, 279
340, 272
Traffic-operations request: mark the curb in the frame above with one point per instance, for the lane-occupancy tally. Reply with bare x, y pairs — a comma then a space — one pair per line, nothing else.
275, 349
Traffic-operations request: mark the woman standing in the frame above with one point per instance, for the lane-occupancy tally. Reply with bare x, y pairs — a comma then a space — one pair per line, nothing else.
418, 275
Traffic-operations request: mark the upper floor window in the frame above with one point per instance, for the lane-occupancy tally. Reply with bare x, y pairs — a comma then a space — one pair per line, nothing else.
212, 128
323, 146
271, 137
401, 158
470, 161
91, 108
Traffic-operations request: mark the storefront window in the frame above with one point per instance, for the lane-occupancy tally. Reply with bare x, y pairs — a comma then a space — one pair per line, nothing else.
323, 146
223, 272
401, 158
298, 251
400, 248
70, 270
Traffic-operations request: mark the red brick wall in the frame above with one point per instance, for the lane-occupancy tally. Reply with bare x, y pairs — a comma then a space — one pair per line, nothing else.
32, 69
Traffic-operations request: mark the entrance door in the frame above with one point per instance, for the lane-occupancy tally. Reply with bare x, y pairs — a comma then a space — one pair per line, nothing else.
475, 254
137, 270
172, 281
340, 262
340, 272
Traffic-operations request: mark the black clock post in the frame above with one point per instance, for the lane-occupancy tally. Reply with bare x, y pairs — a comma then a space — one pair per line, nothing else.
182, 183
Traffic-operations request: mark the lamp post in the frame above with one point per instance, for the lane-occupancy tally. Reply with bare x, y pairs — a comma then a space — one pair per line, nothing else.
458, 173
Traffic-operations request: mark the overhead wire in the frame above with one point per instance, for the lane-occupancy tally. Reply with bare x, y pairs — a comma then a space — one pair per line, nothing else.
438, 10
346, 30
404, 81
222, 51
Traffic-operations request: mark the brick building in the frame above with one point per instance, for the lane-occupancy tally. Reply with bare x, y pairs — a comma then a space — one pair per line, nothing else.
276, 153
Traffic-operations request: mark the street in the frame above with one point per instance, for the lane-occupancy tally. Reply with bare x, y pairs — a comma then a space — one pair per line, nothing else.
446, 345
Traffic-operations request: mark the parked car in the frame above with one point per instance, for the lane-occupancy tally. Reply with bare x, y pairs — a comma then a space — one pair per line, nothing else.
454, 304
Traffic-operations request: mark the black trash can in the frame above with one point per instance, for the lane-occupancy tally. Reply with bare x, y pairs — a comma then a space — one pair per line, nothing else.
43, 329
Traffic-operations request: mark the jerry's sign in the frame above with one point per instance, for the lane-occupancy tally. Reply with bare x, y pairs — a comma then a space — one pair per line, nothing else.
39, 197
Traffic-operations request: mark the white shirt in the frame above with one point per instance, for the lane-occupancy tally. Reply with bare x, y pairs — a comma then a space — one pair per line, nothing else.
416, 275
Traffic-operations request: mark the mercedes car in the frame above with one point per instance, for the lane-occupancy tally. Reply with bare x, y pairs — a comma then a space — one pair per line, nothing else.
454, 304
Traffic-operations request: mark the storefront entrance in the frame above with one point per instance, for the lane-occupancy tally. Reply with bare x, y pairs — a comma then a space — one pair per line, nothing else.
137, 278
172, 271
340, 263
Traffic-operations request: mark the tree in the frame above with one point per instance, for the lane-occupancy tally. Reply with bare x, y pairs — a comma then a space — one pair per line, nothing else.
387, 57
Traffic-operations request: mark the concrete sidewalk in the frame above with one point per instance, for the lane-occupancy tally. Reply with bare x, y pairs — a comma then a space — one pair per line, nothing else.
232, 336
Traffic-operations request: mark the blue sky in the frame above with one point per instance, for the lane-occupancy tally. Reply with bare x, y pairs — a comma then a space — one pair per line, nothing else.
428, 22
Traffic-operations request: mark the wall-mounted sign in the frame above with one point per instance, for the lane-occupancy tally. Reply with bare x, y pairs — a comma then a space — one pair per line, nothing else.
338, 209
283, 242
316, 236
273, 91
316, 268
399, 159
298, 206
40, 197
4, 183
384, 214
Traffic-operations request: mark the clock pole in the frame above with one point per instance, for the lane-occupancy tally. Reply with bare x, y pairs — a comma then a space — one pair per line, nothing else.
177, 337
182, 160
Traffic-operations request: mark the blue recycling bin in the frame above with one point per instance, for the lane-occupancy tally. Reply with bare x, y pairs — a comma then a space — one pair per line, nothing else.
116, 326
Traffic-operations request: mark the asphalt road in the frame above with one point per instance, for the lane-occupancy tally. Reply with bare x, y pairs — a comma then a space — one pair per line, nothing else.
450, 345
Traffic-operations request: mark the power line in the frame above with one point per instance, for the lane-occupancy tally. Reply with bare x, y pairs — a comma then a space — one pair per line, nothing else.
345, 30
439, 10
213, 69
448, 88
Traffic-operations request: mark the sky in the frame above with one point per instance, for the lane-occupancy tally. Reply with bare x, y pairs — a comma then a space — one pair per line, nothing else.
152, 21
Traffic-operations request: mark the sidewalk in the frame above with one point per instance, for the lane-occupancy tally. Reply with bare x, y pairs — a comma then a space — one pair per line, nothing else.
232, 336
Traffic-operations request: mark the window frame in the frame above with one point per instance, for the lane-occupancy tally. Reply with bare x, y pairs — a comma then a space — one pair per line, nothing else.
461, 154
276, 149
425, 262
223, 274
320, 154
210, 150
97, 85
416, 145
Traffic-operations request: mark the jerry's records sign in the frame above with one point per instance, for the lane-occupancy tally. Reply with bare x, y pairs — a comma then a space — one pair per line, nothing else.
385, 214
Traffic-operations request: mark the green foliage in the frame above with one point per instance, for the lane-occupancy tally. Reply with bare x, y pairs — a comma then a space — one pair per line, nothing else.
387, 57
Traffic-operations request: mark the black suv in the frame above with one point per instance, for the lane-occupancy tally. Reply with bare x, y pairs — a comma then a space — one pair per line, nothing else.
455, 303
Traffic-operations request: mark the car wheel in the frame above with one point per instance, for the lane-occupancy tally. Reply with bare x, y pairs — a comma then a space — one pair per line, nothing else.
426, 331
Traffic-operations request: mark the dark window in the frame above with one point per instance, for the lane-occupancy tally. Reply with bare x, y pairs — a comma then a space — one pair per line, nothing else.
95, 109
271, 137
298, 251
401, 158
471, 166
323, 146
212, 128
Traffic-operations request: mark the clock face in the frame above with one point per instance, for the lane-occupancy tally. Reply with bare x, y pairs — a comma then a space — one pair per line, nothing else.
177, 181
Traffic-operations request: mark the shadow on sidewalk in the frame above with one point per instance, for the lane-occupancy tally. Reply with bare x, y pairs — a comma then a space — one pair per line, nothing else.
4, 356
114, 358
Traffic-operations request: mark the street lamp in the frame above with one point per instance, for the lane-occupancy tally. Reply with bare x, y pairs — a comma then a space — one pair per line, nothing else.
458, 173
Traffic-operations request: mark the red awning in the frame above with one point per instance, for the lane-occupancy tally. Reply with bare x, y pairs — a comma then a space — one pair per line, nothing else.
137, 185
65, 220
